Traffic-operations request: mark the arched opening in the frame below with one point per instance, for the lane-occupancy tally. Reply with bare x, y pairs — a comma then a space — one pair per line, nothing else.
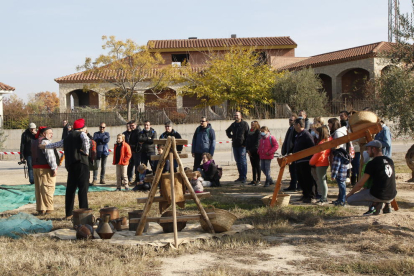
81, 98
386, 69
354, 83
326, 85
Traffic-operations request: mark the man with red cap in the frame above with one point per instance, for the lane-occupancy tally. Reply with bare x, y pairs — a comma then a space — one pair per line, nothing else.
44, 169
76, 147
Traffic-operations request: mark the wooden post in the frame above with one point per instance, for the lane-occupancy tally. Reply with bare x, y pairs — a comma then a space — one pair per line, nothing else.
154, 188
174, 210
190, 188
278, 183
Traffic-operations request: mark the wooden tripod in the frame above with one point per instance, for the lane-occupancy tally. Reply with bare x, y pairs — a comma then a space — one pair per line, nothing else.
170, 152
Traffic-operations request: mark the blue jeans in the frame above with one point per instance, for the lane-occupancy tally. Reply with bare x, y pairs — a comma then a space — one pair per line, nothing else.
101, 163
342, 190
265, 166
30, 169
355, 164
241, 161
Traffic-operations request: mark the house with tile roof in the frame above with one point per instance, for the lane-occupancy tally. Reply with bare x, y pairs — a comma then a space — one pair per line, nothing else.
345, 72
4, 89
277, 51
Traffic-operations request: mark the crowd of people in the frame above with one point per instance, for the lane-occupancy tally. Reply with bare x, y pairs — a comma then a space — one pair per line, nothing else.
134, 147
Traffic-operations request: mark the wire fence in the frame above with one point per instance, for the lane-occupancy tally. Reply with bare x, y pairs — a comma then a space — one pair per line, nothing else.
185, 115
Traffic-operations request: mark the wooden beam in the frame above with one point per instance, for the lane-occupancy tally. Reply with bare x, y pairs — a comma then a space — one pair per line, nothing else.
157, 157
189, 174
173, 203
179, 142
170, 219
161, 199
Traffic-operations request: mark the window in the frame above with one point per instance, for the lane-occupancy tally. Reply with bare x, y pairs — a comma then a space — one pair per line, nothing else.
179, 59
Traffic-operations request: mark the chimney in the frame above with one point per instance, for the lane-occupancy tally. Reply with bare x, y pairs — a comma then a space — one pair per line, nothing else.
233, 36
192, 37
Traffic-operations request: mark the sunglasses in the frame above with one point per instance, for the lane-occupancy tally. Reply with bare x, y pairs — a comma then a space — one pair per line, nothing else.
101, 127
203, 121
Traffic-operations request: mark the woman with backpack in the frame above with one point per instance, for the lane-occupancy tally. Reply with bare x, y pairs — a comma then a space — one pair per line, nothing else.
267, 148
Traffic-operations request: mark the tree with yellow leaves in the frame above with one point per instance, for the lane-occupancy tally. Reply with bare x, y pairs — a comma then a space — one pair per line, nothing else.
239, 76
126, 66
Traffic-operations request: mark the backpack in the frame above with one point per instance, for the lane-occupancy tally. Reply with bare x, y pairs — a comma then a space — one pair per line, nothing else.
93, 165
220, 171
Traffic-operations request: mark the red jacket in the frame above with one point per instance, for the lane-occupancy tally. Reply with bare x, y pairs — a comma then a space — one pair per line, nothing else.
125, 154
266, 149
321, 159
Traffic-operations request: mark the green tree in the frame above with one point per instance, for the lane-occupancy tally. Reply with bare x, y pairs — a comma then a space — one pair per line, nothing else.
301, 90
395, 88
237, 76
43, 102
126, 66
15, 112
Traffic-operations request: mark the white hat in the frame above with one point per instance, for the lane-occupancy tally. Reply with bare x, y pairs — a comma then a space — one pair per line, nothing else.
32, 125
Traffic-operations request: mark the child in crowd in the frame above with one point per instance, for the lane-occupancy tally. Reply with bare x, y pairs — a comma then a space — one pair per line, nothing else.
267, 148
122, 154
321, 162
197, 182
166, 169
339, 167
209, 171
142, 173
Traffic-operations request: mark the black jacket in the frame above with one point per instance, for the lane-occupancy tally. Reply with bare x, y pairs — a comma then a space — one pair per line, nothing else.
72, 145
289, 141
65, 131
133, 139
127, 135
304, 140
25, 144
174, 134
238, 133
147, 140
212, 174
253, 141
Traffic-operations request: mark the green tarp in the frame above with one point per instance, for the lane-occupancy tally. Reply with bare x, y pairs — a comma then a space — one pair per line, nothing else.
18, 195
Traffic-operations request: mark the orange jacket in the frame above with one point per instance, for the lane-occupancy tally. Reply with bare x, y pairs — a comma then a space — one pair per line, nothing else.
125, 154
321, 159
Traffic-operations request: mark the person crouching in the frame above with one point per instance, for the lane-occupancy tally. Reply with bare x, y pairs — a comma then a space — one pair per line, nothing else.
122, 154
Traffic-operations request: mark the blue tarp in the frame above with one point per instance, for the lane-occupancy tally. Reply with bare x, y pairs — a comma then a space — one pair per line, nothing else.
23, 224
19, 195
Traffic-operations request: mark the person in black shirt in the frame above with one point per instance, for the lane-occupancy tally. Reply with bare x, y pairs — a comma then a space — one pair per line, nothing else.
383, 190
287, 148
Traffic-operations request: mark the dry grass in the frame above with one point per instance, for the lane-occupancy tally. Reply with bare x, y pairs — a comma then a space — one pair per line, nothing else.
364, 248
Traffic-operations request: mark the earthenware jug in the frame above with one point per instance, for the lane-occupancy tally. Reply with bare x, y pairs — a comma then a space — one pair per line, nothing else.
105, 230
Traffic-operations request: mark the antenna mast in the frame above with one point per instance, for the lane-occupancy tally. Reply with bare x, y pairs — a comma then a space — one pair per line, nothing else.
393, 19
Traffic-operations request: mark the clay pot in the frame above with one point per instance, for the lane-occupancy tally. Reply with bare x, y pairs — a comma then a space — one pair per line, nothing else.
119, 222
105, 230
134, 226
83, 216
84, 232
112, 211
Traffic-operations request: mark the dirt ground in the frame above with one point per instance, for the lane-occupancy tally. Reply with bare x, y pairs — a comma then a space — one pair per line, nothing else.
345, 244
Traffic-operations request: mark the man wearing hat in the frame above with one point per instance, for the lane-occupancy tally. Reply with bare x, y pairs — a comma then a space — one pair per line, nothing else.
44, 168
25, 149
76, 147
383, 190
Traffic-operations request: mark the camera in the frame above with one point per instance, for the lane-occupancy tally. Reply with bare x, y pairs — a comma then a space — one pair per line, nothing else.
22, 162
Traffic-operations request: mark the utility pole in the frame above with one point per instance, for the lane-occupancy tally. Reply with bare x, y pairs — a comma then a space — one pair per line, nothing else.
393, 19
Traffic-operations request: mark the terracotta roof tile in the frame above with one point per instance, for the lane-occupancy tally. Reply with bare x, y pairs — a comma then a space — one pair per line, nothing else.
88, 77
6, 87
220, 42
360, 52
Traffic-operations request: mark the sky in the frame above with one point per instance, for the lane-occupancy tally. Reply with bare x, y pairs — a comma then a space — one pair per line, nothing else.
43, 40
